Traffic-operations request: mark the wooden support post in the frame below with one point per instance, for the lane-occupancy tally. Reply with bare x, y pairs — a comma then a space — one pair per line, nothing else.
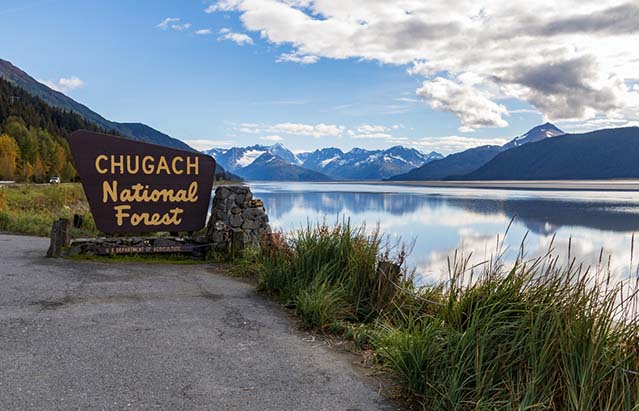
60, 237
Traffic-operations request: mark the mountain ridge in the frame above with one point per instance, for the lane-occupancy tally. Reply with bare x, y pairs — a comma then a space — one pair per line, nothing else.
471, 159
356, 164
601, 154
136, 131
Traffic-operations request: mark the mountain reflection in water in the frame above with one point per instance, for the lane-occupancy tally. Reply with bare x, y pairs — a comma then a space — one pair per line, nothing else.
440, 220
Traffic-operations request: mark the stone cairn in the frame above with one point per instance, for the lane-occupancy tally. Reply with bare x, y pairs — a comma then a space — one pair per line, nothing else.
237, 220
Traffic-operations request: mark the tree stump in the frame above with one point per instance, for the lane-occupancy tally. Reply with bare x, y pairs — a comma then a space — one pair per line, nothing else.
60, 237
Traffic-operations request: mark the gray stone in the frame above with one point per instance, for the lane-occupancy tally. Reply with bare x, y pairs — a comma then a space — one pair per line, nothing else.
252, 213
235, 220
165, 242
250, 225
240, 199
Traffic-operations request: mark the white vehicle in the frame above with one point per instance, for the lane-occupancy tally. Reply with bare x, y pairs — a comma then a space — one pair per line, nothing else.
54, 180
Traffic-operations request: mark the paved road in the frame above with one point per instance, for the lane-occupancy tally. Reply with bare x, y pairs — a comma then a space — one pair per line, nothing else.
86, 335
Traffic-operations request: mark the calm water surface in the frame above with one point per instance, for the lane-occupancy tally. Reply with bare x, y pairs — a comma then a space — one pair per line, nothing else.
441, 220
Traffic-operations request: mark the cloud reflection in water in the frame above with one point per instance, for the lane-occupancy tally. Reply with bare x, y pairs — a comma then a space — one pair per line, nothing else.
440, 220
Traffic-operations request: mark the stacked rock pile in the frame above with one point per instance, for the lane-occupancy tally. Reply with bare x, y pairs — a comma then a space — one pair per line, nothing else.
237, 220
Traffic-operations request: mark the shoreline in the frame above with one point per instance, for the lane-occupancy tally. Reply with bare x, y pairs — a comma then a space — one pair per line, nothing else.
533, 185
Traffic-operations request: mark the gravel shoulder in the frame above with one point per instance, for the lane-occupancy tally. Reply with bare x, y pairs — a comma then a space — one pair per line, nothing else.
88, 335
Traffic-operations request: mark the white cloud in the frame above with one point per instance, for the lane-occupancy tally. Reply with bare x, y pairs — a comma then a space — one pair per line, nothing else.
570, 59
473, 108
173, 23
203, 32
166, 23
312, 130
296, 58
65, 84
453, 144
238, 38
203, 144
370, 128
272, 138
363, 131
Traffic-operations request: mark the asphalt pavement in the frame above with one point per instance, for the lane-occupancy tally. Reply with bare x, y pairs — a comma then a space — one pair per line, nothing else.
91, 336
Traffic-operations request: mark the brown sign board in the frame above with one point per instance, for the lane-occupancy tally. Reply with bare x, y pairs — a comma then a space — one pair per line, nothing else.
140, 187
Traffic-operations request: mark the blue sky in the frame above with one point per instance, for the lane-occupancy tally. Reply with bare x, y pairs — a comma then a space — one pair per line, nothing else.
229, 85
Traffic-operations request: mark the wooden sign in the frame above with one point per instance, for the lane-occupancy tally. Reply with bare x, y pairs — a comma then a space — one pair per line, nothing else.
140, 187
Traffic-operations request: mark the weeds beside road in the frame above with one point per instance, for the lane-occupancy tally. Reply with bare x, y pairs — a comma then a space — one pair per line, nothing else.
32, 208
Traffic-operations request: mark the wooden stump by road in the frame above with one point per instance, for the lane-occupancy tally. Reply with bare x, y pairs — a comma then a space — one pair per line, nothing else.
60, 237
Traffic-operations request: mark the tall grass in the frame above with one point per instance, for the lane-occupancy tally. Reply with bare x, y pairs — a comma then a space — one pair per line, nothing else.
532, 335
31, 209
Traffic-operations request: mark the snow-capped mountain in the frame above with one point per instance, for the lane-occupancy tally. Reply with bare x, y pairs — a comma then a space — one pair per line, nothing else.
534, 134
273, 168
360, 164
356, 164
318, 159
236, 158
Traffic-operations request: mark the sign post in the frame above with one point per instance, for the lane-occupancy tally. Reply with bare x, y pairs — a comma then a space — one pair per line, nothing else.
137, 187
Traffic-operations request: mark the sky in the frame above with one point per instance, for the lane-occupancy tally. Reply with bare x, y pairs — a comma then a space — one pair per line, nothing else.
442, 75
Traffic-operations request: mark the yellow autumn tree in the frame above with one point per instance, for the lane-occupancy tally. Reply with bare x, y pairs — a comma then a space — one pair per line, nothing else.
9, 157
39, 170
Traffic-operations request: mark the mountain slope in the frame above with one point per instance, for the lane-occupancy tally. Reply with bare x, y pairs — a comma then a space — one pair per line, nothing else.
454, 164
601, 154
273, 168
470, 160
136, 131
33, 135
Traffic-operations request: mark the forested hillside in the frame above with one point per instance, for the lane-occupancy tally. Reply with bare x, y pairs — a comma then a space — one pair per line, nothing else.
33, 146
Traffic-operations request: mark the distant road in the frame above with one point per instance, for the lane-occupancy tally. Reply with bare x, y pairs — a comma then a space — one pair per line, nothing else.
88, 335
589, 185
